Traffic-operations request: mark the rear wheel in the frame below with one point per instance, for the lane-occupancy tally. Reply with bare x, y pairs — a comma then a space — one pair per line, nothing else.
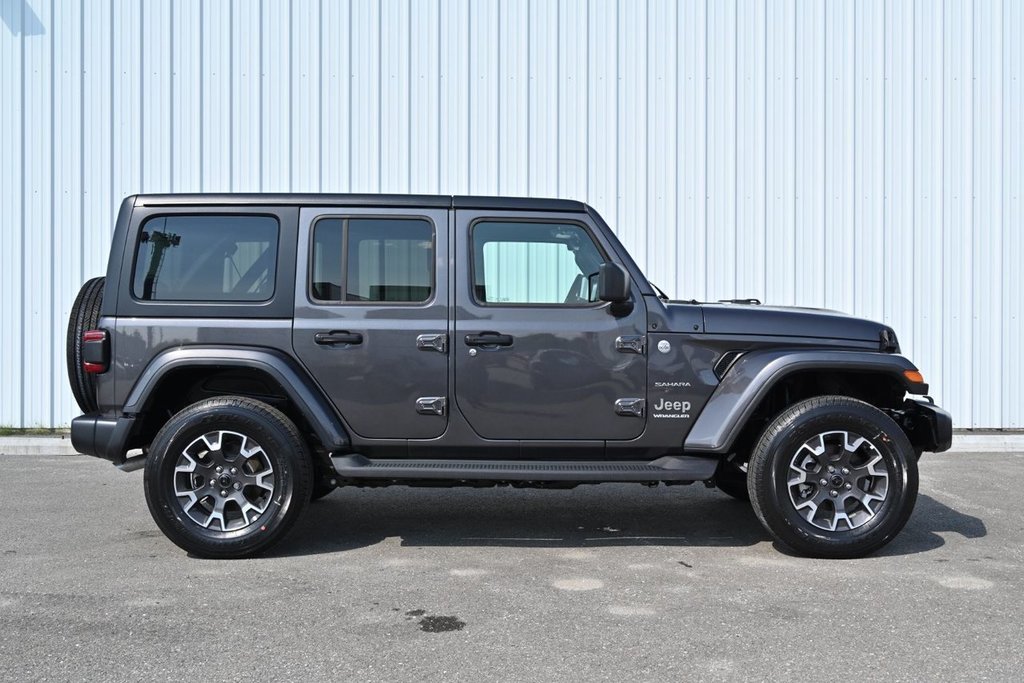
85, 315
833, 477
227, 477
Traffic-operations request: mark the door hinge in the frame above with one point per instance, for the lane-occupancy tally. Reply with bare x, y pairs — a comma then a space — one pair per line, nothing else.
633, 343
630, 407
432, 405
432, 342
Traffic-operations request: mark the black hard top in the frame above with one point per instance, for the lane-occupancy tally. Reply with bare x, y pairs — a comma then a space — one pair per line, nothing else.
364, 200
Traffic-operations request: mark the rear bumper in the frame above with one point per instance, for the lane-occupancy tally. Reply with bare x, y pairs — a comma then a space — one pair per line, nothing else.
929, 427
101, 437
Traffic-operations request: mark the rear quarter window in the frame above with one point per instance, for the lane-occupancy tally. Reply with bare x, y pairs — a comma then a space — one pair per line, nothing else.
206, 258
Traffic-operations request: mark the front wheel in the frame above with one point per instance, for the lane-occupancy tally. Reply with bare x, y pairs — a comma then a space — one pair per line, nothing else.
227, 477
833, 477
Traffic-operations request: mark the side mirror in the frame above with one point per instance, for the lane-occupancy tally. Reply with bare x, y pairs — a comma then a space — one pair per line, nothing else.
613, 283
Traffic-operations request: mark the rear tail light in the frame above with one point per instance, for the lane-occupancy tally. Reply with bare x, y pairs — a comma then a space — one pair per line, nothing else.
95, 351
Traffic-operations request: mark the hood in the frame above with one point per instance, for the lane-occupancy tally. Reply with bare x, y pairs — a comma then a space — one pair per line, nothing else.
786, 321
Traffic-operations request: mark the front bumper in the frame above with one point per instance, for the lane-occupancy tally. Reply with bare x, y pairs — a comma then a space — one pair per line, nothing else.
101, 436
929, 427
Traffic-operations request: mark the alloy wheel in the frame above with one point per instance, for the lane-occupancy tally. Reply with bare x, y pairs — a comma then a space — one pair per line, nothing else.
224, 480
838, 480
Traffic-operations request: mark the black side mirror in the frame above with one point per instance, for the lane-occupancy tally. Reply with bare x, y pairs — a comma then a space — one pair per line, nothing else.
613, 283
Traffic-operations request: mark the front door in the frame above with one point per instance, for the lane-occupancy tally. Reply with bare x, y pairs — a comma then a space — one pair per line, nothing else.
371, 316
536, 358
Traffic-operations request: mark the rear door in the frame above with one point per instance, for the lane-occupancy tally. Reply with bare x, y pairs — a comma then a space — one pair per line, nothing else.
535, 358
371, 316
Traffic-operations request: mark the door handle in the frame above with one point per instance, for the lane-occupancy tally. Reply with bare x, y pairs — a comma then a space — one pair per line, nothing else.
488, 339
341, 337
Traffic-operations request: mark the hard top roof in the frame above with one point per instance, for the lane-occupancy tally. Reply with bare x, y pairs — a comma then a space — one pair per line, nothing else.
369, 200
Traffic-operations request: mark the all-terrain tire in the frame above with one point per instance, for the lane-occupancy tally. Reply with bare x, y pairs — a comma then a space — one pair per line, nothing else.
85, 315
217, 450
786, 453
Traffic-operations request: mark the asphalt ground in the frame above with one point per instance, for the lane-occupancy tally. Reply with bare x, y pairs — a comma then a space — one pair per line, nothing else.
610, 582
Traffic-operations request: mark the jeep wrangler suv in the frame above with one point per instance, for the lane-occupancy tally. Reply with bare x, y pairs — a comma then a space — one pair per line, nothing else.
253, 352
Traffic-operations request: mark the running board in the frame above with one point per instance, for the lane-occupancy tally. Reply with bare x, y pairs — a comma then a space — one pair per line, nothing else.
668, 468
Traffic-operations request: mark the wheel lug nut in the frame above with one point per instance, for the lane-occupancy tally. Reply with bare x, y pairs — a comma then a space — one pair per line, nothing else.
238, 487
833, 493
845, 471
234, 470
830, 469
849, 486
219, 469
224, 493
823, 482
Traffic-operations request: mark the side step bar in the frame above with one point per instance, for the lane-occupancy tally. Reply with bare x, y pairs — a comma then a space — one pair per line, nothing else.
668, 468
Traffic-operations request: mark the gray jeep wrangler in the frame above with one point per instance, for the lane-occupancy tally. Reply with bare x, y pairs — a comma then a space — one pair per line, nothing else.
254, 352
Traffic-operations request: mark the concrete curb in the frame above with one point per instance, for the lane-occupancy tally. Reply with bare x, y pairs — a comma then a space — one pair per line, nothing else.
995, 442
967, 442
36, 445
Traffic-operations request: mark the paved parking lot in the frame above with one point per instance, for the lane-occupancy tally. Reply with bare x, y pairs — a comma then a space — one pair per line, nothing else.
611, 582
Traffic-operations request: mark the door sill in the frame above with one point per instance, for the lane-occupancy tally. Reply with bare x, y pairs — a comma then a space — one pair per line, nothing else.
672, 468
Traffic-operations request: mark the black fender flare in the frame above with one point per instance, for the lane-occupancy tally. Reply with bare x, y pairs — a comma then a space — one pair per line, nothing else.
754, 374
301, 389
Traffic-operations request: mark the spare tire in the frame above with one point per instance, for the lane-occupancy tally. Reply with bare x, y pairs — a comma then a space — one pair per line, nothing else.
85, 315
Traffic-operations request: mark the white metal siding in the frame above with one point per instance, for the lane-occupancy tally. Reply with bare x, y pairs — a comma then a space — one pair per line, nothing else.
865, 156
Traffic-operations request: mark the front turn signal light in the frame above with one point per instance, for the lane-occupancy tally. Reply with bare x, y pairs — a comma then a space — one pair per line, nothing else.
914, 376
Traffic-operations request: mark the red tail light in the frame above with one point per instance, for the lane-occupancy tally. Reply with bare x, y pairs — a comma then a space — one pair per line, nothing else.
95, 351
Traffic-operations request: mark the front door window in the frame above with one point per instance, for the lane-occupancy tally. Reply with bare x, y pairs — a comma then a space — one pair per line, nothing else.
534, 263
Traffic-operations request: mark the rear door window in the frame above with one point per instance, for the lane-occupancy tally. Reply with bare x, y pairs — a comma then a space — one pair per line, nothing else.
206, 258
372, 260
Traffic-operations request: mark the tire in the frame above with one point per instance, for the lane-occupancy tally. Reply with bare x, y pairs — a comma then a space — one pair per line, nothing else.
200, 508
85, 315
867, 497
732, 481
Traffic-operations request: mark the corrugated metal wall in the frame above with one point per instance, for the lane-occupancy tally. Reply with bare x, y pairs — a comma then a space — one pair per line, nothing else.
866, 156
